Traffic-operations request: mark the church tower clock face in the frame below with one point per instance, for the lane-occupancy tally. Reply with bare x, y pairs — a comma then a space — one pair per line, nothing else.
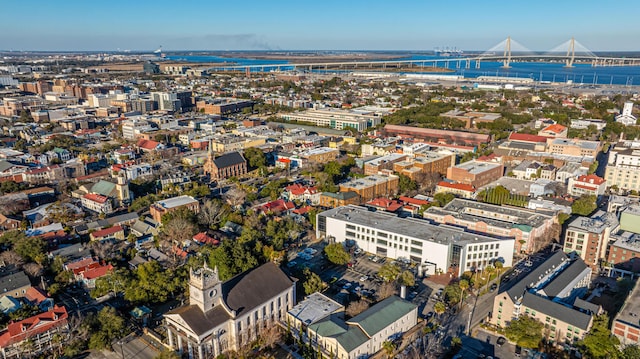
212, 293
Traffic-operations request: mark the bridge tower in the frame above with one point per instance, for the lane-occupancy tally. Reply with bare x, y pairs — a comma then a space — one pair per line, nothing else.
571, 53
507, 54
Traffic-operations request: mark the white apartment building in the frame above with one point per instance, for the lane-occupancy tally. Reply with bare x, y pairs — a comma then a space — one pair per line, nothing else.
438, 248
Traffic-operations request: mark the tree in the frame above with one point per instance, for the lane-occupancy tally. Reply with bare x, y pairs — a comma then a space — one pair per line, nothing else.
407, 278
599, 343
389, 348
235, 197
270, 335
584, 205
525, 331
464, 285
406, 184
593, 167
441, 199
357, 307
631, 352
336, 254
231, 258
255, 157
386, 290
32, 249
498, 265
389, 272
312, 282
213, 213
439, 308
178, 229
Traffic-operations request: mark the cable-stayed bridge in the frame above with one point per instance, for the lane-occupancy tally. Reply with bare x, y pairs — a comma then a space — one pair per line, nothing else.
507, 52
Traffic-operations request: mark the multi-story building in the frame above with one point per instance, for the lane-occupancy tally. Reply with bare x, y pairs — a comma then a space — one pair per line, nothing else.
336, 118
222, 106
372, 186
436, 136
550, 293
38, 331
225, 316
437, 248
589, 236
459, 189
623, 168
168, 205
231, 164
333, 200
525, 226
131, 129
97, 203
15, 284
320, 321
625, 324
587, 185
475, 173
554, 131
626, 117
48, 174
573, 147
386, 162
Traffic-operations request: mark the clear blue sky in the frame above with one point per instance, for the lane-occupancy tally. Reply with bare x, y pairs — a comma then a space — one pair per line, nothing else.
310, 25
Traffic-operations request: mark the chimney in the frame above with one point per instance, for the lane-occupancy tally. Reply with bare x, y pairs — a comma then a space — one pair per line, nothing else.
403, 292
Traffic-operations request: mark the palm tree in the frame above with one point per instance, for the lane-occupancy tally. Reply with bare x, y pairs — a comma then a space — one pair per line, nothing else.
389, 348
439, 308
498, 266
464, 285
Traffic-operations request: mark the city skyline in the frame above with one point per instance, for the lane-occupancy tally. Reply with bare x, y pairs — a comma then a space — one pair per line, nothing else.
373, 25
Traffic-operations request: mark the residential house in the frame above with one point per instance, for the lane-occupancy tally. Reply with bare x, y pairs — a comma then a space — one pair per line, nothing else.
305, 194
108, 234
97, 203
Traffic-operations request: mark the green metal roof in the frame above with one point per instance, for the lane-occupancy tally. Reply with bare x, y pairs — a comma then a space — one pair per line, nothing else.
349, 337
382, 315
103, 187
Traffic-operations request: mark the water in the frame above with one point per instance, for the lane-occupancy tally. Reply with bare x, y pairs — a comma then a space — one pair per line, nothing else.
544, 71
538, 71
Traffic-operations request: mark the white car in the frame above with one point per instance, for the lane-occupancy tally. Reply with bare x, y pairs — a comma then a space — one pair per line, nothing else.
364, 278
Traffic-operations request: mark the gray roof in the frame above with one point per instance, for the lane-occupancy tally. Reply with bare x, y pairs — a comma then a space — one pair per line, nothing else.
556, 310
410, 227
314, 308
253, 288
518, 290
562, 280
596, 223
13, 281
201, 322
341, 195
631, 308
229, 159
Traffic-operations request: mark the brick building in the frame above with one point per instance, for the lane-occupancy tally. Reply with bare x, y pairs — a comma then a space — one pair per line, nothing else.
165, 206
231, 164
475, 173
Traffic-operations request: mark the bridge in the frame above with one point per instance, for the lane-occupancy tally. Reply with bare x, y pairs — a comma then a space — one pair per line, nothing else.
508, 51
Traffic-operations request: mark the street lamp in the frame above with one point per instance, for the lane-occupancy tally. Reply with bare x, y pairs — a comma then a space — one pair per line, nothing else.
121, 349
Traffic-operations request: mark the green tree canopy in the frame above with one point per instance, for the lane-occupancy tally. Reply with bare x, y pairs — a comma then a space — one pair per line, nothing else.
406, 184
525, 331
389, 272
255, 157
407, 278
32, 249
585, 205
336, 254
312, 282
233, 257
441, 199
599, 343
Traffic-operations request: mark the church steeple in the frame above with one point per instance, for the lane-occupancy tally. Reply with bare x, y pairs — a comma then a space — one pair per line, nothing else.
204, 287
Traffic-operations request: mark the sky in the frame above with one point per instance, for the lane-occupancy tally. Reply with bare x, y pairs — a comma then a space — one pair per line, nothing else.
143, 25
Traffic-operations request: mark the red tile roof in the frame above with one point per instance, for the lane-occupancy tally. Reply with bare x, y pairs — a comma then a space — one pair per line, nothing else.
35, 295
98, 272
96, 197
204, 238
413, 201
302, 210
38, 324
148, 144
525, 137
80, 263
278, 205
591, 179
389, 205
107, 231
555, 128
298, 189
